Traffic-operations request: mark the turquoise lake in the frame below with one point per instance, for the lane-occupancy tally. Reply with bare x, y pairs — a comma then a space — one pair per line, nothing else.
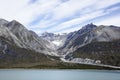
38, 74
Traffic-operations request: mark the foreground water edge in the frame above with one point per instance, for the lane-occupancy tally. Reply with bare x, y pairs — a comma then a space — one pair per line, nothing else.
58, 74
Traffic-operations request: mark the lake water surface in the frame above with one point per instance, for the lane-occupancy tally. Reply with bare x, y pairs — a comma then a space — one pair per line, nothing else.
36, 74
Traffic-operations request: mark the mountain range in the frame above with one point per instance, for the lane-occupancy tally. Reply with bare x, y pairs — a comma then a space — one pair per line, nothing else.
92, 44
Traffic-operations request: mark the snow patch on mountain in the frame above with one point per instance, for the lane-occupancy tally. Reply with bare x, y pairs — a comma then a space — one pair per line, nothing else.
57, 42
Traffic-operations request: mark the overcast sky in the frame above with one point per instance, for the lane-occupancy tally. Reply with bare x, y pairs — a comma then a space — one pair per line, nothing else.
59, 16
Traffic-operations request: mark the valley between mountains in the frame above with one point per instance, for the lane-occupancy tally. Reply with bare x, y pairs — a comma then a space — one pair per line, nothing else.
91, 47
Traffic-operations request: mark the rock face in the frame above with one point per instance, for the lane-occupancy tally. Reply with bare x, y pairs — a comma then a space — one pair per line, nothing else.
77, 39
20, 36
98, 43
88, 34
106, 33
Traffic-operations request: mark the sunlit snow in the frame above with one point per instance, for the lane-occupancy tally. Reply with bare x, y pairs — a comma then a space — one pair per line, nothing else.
57, 42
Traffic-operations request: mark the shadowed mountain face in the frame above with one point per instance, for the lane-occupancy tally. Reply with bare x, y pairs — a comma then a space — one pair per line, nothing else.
19, 45
99, 43
15, 56
77, 39
90, 33
107, 52
20, 36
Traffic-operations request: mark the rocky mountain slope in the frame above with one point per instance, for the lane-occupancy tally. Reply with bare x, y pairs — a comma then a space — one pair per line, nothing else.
97, 44
103, 52
12, 55
77, 39
20, 36
90, 33
22, 47
90, 45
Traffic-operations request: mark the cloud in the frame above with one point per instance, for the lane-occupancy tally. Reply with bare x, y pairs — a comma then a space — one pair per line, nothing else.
114, 20
77, 22
60, 15
10, 8
32, 1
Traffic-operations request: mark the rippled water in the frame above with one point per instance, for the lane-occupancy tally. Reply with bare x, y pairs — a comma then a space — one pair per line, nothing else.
36, 74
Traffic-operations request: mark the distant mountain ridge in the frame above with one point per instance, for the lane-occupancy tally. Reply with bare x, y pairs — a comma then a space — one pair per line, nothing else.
91, 44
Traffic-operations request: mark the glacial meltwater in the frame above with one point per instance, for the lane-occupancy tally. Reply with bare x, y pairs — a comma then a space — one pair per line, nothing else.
38, 74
